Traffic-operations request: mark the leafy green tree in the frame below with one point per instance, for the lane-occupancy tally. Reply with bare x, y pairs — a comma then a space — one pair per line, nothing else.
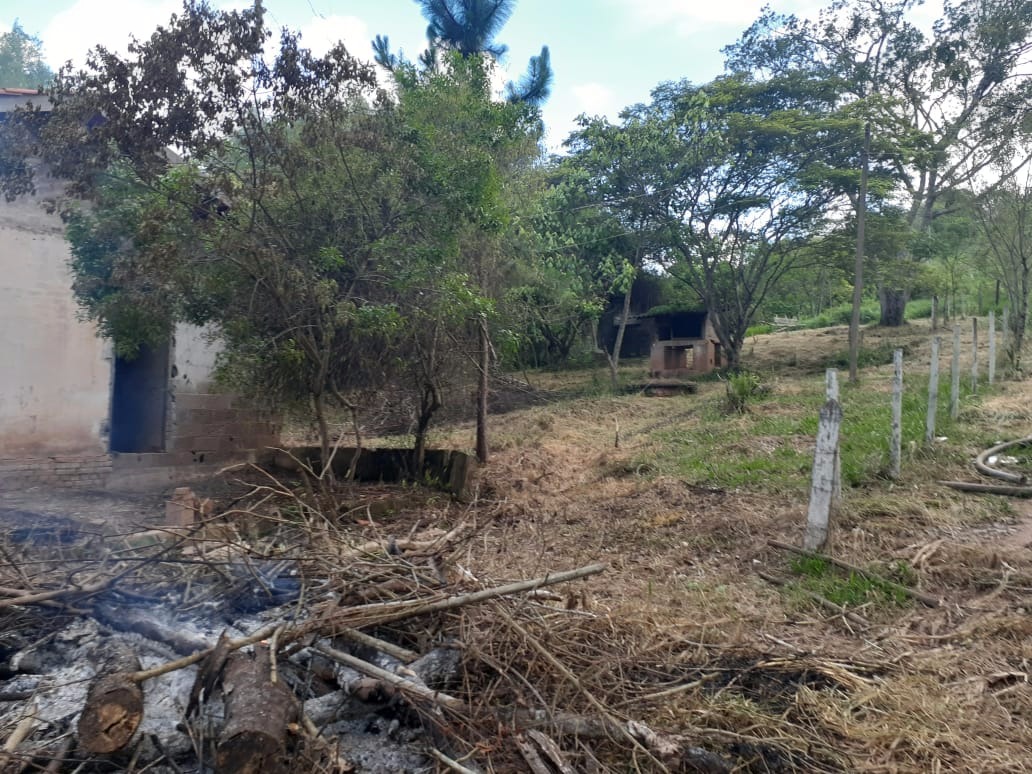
953, 104
621, 169
572, 266
469, 27
21, 60
1004, 216
720, 183
317, 223
483, 148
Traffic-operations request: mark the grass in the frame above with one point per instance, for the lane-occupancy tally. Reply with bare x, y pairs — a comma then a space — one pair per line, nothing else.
769, 447
870, 312
819, 576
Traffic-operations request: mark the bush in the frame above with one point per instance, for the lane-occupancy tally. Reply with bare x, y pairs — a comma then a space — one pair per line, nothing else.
740, 387
919, 309
759, 330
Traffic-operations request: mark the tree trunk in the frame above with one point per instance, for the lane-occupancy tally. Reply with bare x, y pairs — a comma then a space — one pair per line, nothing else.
893, 307
614, 358
253, 741
1018, 321
428, 406
482, 392
319, 407
858, 269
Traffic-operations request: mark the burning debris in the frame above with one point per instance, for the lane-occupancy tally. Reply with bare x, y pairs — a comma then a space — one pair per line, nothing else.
266, 638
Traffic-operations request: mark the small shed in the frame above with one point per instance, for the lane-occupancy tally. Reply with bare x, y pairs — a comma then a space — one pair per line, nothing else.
685, 343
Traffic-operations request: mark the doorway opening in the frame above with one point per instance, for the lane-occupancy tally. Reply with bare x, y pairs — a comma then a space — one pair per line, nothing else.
138, 401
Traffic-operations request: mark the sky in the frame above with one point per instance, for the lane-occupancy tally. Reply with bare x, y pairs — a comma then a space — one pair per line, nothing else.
606, 54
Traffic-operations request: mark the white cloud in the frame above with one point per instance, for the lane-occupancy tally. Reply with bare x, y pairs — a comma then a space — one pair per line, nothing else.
88, 23
691, 16
688, 17
322, 33
594, 99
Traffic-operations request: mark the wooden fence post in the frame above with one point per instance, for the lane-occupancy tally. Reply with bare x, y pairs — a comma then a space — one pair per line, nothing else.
933, 390
974, 354
822, 485
895, 448
955, 374
992, 348
831, 390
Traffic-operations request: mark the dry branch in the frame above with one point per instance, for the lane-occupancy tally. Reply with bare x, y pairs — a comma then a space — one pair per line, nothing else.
361, 638
387, 612
182, 663
46, 596
925, 599
21, 732
551, 751
408, 686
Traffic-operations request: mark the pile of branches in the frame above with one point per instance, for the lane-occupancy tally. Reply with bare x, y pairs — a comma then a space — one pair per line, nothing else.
326, 640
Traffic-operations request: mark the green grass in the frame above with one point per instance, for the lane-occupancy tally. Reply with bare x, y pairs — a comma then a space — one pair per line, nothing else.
870, 312
769, 448
819, 576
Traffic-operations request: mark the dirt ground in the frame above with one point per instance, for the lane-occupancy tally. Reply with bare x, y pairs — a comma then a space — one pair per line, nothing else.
682, 632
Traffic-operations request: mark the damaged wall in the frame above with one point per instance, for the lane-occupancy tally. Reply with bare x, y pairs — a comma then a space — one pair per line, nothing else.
55, 372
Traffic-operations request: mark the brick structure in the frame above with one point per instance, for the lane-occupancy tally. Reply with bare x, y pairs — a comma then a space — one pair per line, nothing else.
685, 345
74, 414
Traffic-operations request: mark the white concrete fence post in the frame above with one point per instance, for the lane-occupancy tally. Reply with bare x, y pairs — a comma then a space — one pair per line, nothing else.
832, 393
933, 390
896, 444
822, 486
974, 354
955, 375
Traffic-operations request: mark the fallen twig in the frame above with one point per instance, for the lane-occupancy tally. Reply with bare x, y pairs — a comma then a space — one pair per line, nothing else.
387, 612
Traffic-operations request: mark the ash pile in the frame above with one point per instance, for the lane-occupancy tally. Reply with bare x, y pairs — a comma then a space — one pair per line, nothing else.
268, 637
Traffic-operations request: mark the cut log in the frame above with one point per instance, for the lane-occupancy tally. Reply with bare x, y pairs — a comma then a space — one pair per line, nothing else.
258, 711
114, 705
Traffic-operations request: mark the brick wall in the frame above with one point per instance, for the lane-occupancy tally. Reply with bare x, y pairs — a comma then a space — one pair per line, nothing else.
210, 422
78, 471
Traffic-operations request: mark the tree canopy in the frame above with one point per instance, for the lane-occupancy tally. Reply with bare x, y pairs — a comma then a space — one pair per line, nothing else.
21, 60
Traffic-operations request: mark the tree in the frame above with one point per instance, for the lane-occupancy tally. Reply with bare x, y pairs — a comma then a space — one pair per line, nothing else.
571, 266
484, 146
315, 222
953, 104
1004, 215
720, 185
745, 190
469, 27
21, 60
620, 169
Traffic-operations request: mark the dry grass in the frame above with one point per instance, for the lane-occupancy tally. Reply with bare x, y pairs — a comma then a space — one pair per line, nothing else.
950, 688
